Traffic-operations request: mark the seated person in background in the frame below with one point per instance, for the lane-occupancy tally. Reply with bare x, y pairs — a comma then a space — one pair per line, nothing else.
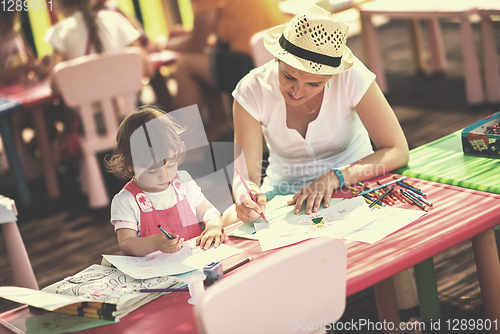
17, 61
18, 64
80, 33
220, 67
318, 107
158, 193
157, 81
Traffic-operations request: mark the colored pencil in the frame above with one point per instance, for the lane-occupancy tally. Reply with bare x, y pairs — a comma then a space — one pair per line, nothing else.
237, 265
411, 188
249, 192
162, 290
165, 232
382, 196
419, 197
384, 185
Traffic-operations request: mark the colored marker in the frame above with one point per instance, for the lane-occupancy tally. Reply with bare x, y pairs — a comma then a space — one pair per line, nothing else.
237, 265
382, 196
249, 192
165, 232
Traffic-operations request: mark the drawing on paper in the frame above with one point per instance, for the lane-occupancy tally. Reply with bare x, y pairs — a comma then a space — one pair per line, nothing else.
107, 285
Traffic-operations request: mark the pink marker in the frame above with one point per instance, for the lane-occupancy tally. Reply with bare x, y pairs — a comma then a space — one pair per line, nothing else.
249, 192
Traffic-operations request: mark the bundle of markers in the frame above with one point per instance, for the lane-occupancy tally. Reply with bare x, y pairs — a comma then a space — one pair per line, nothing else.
387, 194
495, 129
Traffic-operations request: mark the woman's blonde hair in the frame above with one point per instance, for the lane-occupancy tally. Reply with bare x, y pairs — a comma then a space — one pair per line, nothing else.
164, 129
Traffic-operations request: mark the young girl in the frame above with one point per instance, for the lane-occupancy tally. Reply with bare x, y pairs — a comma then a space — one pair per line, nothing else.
149, 151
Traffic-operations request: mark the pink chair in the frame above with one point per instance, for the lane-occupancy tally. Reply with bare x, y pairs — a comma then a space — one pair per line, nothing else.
490, 58
99, 78
297, 285
431, 11
19, 260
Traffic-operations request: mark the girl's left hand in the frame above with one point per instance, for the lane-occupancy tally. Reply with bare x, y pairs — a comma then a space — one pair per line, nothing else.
209, 235
319, 190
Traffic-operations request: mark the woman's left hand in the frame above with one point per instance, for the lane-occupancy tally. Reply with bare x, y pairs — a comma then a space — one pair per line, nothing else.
315, 192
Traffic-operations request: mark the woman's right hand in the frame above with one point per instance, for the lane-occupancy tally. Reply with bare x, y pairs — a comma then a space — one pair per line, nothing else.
248, 211
167, 245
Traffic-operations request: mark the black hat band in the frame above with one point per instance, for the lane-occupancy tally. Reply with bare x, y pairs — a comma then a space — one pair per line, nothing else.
309, 55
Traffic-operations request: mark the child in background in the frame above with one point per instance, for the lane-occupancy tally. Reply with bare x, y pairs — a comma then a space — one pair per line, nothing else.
149, 151
82, 33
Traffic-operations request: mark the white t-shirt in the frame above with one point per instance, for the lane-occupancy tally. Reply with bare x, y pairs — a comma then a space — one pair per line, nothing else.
125, 213
70, 35
335, 138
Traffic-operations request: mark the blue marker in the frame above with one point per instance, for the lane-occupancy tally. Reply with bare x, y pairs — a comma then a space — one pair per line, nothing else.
166, 233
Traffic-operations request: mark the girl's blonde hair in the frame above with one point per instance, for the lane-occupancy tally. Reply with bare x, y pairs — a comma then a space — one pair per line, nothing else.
164, 130
84, 7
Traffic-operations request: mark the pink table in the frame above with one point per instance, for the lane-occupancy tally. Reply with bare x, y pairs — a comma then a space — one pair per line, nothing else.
431, 11
458, 214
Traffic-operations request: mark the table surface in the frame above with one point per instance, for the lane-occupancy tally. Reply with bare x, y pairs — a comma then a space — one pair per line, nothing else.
443, 161
25, 95
457, 215
437, 8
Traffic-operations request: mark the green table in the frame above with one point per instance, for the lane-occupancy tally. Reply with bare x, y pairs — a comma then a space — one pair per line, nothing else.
443, 161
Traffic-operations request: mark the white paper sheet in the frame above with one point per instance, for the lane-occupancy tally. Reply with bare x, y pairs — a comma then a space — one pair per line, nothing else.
189, 258
387, 220
294, 228
350, 219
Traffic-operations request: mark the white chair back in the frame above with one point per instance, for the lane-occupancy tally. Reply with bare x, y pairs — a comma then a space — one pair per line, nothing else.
285, 292
99, 79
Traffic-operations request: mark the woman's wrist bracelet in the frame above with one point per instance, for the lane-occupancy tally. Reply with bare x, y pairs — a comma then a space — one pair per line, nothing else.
340, 176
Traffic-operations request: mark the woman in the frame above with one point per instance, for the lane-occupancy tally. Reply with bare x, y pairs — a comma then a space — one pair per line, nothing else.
318, 107
203, 70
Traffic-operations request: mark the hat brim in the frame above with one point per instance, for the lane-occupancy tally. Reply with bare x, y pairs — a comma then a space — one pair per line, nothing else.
271, 42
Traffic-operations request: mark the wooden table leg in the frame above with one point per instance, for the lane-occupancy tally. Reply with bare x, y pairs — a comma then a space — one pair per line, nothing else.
387, 305
488, 272
373, 50
490, 60
51, 182
19, 261
417, 45
473, 83
437, 53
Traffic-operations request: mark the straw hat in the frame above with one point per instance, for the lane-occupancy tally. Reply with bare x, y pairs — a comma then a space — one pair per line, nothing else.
314, 42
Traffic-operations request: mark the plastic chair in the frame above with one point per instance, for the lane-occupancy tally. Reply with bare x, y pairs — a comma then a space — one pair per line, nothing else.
19, 260
259, 52
282, 293
99, 78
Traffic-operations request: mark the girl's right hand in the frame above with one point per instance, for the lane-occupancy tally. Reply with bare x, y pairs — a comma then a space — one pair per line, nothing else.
167, 245
248, 211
